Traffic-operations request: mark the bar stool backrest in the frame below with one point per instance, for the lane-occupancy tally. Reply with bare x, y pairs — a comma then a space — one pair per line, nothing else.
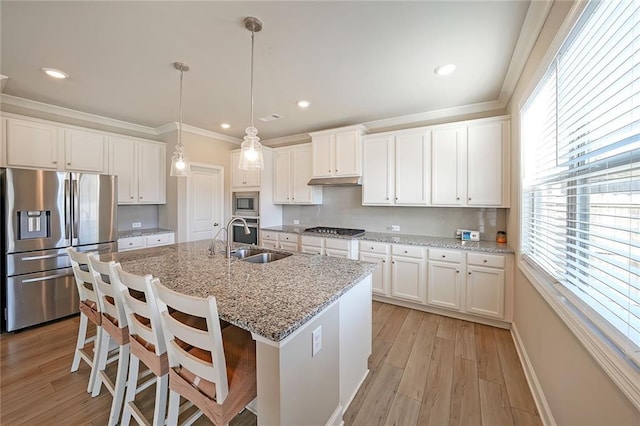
108, 298
83, 276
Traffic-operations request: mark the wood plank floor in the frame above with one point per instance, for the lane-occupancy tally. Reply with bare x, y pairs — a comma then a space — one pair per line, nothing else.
424, 369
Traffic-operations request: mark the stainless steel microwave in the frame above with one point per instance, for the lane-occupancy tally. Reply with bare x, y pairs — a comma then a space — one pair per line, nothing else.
246, 204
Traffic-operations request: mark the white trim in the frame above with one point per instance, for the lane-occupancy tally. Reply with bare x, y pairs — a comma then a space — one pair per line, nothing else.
173, 126
355, 392
288, 140
74, 114
534, 385
620, 369
354, 127
531, 27
336, 417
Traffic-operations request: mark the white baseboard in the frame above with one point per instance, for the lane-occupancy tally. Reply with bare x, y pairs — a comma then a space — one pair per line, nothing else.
336, 417
346, 404
536, 390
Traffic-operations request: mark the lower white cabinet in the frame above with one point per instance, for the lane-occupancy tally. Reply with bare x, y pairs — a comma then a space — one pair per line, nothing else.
144, 241
408, 279
485, 285
334, 247
279, 240
445, 278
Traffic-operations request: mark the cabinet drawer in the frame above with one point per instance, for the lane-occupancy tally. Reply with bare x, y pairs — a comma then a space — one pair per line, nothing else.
371, 247
269, 235
311, 241
446, 255
159, 239
131, 243
407, 251
289, 238
337, 244
482, 259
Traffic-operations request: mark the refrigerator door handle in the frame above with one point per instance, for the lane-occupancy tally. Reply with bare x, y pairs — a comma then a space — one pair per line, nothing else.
67, 211
46, 256
76, 206
48, 277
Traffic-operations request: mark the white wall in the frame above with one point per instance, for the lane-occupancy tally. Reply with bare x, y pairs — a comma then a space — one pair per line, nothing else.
576, 388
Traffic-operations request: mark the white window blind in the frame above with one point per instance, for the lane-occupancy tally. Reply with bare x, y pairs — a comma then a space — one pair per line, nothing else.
581, 171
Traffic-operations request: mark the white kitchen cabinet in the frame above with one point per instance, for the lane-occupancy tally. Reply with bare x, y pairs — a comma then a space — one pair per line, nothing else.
141, 170
292, 172
337, 152
469, 163
85, 151
144, 241
408, 280
31, 144
485, 285
279, 240
445, 278
242, 179
378, 253
396, 169
334, 247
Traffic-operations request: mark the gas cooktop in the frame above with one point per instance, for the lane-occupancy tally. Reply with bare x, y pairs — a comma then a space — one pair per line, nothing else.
336, 231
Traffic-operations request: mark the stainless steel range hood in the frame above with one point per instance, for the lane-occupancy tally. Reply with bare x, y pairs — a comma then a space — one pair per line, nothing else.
336, 181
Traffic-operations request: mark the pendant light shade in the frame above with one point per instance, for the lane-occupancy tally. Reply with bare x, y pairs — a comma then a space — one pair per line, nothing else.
251, 149
180, 165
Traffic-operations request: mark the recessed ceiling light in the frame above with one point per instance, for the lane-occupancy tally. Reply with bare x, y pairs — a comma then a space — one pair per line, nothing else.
52, 72
225, 125
304, 104
445, 69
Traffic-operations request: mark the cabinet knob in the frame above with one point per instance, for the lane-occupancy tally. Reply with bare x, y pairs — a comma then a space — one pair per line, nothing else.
384, 261
443, 256
329, 170
387, 198
458, 198
216, 224
68, 164
141, 198
130, 244
371, 248
406, 252
293, 198
336, 170
469, 273
485, 260
54, 162
393, 261
469, 198
131, 198
457, 272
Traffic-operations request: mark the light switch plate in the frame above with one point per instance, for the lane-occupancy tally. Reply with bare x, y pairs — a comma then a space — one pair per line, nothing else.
136, 225
316, 338
296, 222
395, 228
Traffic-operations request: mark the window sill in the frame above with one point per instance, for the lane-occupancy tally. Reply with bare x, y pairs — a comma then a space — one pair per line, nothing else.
624, 373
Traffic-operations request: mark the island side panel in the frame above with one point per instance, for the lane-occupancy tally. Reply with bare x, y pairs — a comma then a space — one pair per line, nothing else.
294, 387
355, 339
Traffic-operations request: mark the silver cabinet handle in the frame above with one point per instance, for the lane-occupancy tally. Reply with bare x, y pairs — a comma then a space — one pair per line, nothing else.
46, 256
48, 277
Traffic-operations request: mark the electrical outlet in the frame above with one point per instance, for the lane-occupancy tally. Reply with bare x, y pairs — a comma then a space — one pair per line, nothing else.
296, 222
395, 228
458, 233
316, 341
136, 225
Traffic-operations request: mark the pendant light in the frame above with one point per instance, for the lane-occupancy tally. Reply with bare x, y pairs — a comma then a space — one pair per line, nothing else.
180, 165
251, 149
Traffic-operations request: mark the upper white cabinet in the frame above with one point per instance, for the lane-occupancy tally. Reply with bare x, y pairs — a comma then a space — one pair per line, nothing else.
292, 171
242, 179
85, 151
31, 144
38, 144
141, 170
469, 163
337, 152
396, 168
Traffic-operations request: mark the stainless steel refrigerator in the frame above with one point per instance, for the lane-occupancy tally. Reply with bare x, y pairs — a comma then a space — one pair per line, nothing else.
43, 213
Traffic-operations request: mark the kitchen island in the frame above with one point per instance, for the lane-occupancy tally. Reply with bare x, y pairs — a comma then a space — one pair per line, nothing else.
282, 304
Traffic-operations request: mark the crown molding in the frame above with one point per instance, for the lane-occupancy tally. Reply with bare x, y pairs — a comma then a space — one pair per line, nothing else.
3, 82
173, 126
434, 115
76, 115
287, 140
531, 27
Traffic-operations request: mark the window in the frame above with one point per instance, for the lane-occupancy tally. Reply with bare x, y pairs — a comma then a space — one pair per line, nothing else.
581, 172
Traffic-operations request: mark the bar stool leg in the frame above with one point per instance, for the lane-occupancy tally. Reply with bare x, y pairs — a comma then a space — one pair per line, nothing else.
100, 361
132, 384
174, 408
120, 384
159, 412
82, 336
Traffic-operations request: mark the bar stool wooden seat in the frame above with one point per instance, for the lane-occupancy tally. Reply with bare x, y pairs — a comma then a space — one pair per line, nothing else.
89, 312
215, 370
115, 327
147, 344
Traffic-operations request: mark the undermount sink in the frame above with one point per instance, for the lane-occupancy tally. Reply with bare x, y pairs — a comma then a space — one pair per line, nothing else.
243, 252
265, 257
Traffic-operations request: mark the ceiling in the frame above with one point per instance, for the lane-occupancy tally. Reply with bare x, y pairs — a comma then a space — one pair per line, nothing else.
357, 62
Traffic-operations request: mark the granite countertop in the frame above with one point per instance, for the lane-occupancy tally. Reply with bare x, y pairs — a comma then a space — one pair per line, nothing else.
414, 240
141, 232
271, 300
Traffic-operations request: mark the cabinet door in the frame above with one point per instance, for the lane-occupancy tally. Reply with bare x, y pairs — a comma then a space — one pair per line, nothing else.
447, 166
151, 173
407, 278
312, 250
377, 174
32, 144
412, 157
343, 254
301, 193
484, 165
252, 177
85, 151
288, 246
281, 177
123, 162
444, 284
322, 149
485, 291
380, 275
347, 154
237, 175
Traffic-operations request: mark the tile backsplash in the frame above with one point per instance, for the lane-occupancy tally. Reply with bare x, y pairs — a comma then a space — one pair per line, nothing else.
146, 215
342, 207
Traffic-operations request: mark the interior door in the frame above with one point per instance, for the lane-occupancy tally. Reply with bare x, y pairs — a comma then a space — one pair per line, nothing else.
205, 195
